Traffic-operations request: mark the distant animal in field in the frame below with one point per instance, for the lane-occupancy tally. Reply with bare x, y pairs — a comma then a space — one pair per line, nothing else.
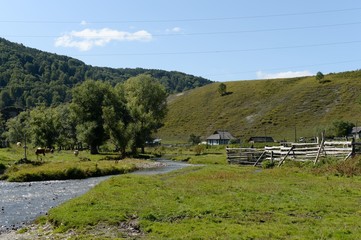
40, 151
76, 153
18, 144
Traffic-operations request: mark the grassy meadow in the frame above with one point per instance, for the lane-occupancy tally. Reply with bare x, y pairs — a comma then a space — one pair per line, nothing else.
281, 108
211, 200
62, 165
217, 202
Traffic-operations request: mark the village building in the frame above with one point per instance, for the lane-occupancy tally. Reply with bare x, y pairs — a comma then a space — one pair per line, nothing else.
356, 132
220, 137
261, 139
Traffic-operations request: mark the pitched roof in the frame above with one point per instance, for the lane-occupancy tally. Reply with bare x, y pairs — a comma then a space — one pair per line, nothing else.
221, 135
261, 139
356, 129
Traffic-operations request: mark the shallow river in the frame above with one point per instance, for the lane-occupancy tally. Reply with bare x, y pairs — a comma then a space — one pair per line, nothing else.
21, 203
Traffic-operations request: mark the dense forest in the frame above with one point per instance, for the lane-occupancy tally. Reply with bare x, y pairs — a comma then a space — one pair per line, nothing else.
30, 77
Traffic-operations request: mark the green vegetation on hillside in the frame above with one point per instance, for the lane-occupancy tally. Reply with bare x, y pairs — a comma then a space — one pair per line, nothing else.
29, 77
282, 108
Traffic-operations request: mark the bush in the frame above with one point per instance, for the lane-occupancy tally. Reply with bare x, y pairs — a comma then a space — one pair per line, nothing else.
2, 167
349, 168
199, 149
75, 173
268, 164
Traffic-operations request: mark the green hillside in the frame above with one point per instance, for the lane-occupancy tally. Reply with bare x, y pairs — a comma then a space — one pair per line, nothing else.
282, 108
29, 77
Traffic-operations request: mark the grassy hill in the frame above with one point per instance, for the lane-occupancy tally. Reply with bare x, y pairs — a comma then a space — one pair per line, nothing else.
278, 107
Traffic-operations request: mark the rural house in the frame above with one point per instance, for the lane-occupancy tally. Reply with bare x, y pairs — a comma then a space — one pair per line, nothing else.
356, 132
220, 138
260, 139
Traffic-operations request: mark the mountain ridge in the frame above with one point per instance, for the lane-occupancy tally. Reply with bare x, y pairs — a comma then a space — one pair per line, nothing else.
29, 77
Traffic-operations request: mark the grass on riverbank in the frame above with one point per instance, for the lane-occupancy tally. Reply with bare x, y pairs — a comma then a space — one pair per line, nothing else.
217, 202
62, 170
62, 165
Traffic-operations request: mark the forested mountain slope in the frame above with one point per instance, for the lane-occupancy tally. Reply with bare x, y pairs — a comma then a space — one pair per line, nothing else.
29, 76
282, 108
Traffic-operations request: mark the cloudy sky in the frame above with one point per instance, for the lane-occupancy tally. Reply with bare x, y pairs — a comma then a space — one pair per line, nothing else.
221, 40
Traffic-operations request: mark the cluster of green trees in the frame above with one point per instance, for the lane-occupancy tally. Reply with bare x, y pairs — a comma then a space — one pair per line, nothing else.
126, 114
29, 77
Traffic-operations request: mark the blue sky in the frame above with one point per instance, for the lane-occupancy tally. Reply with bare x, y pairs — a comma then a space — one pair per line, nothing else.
219, 40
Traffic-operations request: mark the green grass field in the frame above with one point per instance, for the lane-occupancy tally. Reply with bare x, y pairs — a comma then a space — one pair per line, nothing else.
213, 200
217, 202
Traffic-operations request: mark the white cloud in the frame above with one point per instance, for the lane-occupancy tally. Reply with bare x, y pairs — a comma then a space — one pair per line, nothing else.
88, 38
83, 23
289, 74
174, 30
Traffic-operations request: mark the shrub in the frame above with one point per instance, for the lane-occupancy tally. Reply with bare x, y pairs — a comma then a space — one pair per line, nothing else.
2, 167
268, 164
75, 173
199, 149
349, 168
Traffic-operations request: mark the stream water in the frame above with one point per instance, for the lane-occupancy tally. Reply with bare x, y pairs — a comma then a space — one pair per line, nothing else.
21, 203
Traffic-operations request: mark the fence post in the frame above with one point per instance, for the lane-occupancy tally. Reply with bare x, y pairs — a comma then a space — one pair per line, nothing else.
291, 149
320, 149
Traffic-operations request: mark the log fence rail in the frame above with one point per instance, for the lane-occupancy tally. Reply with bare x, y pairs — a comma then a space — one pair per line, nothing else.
291, 152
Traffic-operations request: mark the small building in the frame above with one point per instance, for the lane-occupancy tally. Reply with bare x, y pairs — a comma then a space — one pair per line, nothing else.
220, 138
261, 139
154, 142
356, 132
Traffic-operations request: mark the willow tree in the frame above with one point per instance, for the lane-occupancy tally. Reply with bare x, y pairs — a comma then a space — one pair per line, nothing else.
147, 107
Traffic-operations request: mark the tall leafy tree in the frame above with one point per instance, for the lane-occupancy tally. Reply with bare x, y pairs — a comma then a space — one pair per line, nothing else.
116, 119
342, 128
42, 127
87, 105
65, 124
18, 128
147, 106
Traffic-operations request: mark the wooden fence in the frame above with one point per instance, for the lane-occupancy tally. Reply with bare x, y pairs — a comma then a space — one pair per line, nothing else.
291, 151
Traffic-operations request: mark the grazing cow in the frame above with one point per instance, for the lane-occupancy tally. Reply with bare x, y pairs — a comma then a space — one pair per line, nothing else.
76, 153
49, 150
18, 144
40, 151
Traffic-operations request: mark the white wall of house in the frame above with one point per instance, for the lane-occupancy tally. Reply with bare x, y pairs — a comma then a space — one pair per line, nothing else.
217, 142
